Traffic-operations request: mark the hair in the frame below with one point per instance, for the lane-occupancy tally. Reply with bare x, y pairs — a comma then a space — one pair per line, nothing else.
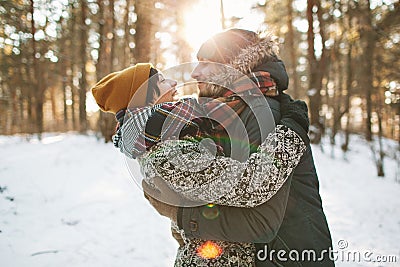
152, 88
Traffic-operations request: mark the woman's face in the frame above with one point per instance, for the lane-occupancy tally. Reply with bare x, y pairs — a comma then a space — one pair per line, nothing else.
167, 89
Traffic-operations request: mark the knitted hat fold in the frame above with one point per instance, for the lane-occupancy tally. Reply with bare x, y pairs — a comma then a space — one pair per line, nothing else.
115, 91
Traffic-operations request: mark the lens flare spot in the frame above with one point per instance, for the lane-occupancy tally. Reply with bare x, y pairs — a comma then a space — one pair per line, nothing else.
210, 211
209, 250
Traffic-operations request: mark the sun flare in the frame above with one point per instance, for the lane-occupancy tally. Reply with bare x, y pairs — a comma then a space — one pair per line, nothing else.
209, 250
201, 22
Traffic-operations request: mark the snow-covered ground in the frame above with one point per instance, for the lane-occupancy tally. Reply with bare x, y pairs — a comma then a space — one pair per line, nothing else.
69, 200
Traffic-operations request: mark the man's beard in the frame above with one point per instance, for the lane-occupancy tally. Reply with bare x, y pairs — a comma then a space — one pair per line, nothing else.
210, 90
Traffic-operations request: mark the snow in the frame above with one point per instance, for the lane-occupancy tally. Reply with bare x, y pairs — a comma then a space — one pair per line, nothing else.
69, 200
362, 208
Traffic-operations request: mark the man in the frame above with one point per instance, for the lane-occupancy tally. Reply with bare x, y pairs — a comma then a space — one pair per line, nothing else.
290, 229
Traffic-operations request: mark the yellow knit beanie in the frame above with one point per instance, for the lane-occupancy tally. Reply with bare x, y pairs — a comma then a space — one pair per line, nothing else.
115, 91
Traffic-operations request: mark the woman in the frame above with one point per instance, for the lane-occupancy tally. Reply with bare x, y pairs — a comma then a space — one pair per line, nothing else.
230, 182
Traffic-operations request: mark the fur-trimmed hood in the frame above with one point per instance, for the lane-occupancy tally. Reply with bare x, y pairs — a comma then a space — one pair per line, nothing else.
260, 56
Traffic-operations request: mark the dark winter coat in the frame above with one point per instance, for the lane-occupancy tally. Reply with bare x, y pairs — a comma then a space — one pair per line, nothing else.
291, 220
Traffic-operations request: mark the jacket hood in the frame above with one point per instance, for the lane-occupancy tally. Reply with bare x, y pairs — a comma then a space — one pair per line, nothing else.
260, 56
278, 72
294, 114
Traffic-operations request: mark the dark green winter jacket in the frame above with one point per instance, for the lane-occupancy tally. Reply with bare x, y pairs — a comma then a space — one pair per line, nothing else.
293, 221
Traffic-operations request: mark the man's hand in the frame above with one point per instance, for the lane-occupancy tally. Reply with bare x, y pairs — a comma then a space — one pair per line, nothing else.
178, 237
164, 209
165, 200
162, 192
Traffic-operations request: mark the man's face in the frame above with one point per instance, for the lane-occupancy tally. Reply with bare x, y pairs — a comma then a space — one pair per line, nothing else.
201, 73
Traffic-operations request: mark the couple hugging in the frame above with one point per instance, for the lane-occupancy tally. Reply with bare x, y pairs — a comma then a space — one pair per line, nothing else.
233, 169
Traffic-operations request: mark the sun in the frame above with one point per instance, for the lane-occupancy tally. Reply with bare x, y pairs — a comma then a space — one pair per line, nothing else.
201, 22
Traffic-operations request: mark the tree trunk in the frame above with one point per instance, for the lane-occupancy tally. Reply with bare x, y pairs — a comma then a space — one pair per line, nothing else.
106, 122
53, 99
349, 80
316, 67
293, 50
72, 65
64, 80
37, 79
222, 12
83, 82
113, 39
379, 110
368, 87
379, 165
127, 50
145, 30
338, 110
368, 41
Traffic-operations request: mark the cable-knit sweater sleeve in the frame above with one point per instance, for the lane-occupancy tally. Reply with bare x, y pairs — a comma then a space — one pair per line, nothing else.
198, 175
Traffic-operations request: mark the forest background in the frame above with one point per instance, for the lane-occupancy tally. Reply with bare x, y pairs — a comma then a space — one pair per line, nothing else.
342, 58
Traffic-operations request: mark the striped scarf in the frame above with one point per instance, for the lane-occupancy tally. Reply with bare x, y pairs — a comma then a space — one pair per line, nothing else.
227, 107
147, 126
